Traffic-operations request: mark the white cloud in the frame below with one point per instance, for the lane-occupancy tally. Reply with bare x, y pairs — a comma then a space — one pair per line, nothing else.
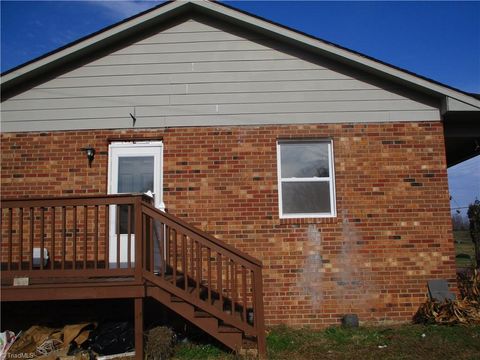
123, 9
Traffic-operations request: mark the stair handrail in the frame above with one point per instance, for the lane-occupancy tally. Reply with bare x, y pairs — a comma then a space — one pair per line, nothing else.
230, 249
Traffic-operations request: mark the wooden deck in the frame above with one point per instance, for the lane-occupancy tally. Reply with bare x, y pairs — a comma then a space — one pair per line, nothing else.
117, 247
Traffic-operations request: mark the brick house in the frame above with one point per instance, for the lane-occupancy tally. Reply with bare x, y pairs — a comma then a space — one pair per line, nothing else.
328, 166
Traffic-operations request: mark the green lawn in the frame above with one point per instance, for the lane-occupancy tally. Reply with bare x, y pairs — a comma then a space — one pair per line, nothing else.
464, 249
400, 342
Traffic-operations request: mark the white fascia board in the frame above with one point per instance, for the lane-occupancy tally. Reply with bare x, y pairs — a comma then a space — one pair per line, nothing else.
455, 105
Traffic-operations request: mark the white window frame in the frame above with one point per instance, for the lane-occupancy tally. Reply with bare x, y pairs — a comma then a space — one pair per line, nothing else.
330, 179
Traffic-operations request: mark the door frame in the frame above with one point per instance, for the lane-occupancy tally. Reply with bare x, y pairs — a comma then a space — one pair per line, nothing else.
131, 149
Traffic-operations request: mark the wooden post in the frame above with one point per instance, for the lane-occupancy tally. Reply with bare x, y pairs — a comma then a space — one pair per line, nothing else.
259, 319
138, 328
139, 240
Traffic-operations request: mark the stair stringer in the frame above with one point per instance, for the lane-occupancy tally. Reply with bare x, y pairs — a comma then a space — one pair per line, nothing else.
208, 324
226, 318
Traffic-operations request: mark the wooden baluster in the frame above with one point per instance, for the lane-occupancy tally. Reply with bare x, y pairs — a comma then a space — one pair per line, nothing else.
129, 236
219, 281
145, 221
192, 257
151, 245
95, 265
32, 214
162, 249
184, 262
117, 228
85, 235
107, 237
52, 261
227, 279
42, 235
209, 275
10, 234
199, 267
167, 248
244, 292
234, 287
254, 295
20, 237
174, 244
64, 235
74, 263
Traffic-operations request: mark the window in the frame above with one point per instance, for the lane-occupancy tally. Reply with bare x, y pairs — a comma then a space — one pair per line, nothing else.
305, 179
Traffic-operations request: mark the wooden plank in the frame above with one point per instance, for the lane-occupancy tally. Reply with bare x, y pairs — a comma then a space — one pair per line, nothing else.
32, 213
64, 235
138, 328
162, 250
184, 261
107, 236
65, 292
20, 235
42, 237
117, 230
139, 239
129, 236
58, 273
52, 236
175, 255
219, 281
85, 236
96, 239
10, 237
71, 200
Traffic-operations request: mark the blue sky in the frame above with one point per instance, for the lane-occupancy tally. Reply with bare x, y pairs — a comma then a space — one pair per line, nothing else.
439, 40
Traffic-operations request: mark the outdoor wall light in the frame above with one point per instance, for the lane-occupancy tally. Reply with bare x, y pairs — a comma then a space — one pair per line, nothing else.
90, 151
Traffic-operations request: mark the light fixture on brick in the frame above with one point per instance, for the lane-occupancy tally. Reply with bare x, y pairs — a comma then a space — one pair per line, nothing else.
90, 151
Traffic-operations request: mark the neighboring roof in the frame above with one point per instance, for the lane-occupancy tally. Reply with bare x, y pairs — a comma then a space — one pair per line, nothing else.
169, 10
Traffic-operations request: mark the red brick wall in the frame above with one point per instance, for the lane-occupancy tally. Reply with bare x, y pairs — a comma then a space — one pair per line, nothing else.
391, 235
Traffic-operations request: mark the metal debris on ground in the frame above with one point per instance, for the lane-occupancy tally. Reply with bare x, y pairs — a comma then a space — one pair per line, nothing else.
450, 312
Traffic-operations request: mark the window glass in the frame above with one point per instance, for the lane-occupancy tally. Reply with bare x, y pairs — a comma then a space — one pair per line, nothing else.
135, 174
306, 197
304, 160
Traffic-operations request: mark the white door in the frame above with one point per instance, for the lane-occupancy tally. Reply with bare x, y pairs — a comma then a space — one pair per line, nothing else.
133, 168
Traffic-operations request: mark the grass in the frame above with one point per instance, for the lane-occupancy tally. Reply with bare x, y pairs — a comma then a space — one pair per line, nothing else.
399, 342
464, 249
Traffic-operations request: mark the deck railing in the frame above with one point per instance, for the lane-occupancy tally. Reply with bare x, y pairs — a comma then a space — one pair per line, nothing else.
68, 236
98, 236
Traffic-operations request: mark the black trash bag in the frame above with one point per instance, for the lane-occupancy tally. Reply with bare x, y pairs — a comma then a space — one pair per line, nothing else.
111, 338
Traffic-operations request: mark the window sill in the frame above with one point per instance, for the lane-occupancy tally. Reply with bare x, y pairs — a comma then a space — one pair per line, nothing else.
311, 220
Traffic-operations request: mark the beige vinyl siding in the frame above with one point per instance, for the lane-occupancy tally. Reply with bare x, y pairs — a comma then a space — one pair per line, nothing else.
194, 74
